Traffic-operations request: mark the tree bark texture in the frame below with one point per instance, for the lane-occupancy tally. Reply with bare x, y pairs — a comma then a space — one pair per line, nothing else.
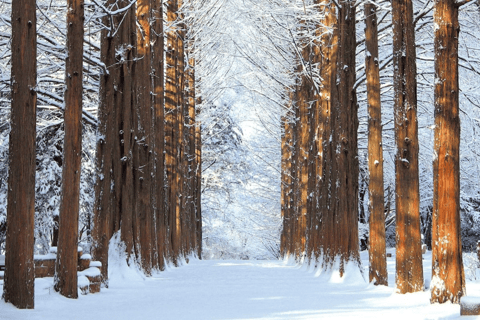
190, 156
19, 281
198, 181
377, 248
448, 277
106, 135
144, 143
409, 270
158, 70
125, 45
302, 150
67, 257
171, 132
344, 211
286, 186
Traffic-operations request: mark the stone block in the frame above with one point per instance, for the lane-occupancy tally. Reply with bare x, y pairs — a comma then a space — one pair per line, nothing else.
470, 306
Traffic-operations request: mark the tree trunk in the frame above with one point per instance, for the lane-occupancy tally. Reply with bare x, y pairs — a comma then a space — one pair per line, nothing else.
144, 133
198, 179
338, 195
159, 118
171, 102
377, 249
409, 277
18, 287
191, 158
302, 149
125, 43
448, 278
67, 257
106, 138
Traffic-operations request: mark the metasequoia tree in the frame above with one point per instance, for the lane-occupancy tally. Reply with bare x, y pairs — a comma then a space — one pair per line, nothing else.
172, 92
286, 187
303, 104
158, 70
325, 188
102, 214
125, 140
377, 250
143, 147
340, 219
409, 270
18, 286
67, 259
448, 278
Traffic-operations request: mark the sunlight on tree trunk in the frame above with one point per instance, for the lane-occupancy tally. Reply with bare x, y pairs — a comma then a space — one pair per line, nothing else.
448, 277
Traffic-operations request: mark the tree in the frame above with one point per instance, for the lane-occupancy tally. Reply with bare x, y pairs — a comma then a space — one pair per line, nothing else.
448, 277
340, 223
172, 92
144, 133
409, 274
19, 267
377, 251
67, 259
106, 134
158, 70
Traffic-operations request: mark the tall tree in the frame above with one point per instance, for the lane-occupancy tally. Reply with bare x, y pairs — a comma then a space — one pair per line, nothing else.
377, 250
144, 144
198, 181
19, 267
342, 238
125, 45
102, 211
158, 70
409, 276
448, 277
67, 260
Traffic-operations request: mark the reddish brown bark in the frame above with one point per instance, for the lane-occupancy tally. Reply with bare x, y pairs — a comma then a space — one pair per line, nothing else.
18, 287
377, 249
190, 155
102, 211
67, 257
125, 43
344, 231
409, 276
448, 277
198, 180
159, 117
303, 144
171, 132
144, 143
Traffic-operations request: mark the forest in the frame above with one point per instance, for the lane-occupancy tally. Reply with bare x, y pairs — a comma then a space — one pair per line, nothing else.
331, 135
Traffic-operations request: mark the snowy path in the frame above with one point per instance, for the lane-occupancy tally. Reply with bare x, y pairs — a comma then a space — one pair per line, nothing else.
233, 290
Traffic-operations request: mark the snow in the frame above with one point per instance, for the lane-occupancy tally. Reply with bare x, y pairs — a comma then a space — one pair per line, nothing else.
229, 289
90, 272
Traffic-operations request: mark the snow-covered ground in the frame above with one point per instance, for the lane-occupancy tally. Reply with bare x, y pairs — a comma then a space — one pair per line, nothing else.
217, 289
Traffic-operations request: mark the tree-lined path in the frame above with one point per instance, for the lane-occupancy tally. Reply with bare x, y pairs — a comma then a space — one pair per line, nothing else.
234, 289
